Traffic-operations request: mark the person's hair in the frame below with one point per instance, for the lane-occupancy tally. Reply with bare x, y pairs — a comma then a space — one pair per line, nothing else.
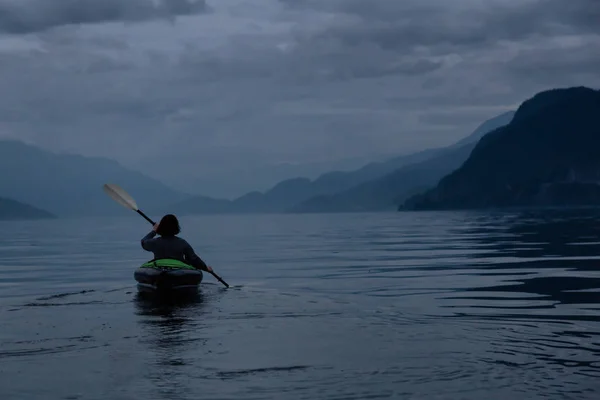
168, 226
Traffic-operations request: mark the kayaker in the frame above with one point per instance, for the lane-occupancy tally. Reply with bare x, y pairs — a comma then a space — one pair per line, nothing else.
170, 246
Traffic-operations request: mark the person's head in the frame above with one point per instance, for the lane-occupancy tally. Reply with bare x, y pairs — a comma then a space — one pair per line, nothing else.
168, 226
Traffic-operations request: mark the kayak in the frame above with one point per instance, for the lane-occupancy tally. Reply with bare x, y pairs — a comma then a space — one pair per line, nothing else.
167, 276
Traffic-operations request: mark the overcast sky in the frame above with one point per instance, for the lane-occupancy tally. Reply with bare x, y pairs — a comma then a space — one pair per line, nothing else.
222, 86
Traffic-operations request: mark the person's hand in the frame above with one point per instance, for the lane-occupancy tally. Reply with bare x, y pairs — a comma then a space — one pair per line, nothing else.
155, 227
209, 269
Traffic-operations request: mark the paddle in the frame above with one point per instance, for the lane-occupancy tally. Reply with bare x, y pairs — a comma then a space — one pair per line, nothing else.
122, 197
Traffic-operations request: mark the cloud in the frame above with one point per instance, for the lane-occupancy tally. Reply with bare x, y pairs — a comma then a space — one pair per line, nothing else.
27, 16
236, 88
435, 27
566, 56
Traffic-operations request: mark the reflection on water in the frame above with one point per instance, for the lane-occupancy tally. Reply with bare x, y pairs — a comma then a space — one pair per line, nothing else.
464, 305
542, 305
551, 257
170, 327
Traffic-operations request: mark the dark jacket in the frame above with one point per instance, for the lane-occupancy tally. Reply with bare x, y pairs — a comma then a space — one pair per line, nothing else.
172, 247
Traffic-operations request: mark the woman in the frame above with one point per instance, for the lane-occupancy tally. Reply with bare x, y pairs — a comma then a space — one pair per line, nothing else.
168, 245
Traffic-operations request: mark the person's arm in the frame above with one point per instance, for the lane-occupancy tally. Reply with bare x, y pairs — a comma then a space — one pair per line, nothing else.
193, 259
147, 241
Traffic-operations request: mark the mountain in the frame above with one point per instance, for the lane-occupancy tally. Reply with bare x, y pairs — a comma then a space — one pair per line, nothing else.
71, 185
385, 192
289, 192
485, 128
250, 172
549, 155
14, 210
195, 205
320, 194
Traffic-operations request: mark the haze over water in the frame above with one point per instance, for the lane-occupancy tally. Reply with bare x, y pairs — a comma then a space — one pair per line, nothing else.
457, 305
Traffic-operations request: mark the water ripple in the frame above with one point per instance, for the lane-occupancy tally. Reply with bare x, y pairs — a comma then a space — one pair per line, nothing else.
464, 305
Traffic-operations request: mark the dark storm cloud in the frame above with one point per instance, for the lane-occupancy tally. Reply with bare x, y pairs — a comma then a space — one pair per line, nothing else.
547, 65
452, 118
377, 38
27, 16
253, 84
401, 25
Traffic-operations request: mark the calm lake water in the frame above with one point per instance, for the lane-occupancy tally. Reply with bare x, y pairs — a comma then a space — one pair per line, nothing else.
369, 306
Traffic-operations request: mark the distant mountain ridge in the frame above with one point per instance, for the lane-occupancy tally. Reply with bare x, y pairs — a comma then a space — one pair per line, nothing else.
324, 194
14, 210
549, 155
387, 191
289, 192
71, 185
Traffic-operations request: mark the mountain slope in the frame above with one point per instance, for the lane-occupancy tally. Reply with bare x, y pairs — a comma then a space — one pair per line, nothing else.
385, 193
71, 185
485, 128
14, 210
292, 191
319, 194
195, 205
549, 155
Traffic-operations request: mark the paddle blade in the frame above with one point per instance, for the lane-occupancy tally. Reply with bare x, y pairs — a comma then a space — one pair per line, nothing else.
120, 196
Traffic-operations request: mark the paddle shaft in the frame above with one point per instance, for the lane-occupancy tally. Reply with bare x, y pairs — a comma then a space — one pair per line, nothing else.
153, 223
146, 217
